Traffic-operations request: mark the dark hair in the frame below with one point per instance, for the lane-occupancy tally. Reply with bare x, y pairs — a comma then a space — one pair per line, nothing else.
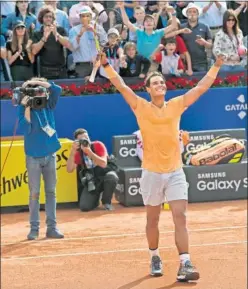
226, 16
43, 11
149, 16
17, 11
79, 131
36, 79
170, 40
151, 75
14, 41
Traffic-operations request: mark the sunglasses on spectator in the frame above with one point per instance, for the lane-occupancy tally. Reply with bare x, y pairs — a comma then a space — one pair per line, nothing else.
231, 19
20, 28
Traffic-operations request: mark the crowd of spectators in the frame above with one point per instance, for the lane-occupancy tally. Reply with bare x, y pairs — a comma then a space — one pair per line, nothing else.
56, 39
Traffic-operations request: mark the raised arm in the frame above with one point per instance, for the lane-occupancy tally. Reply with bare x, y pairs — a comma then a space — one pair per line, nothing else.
192, 95
125, 18
174, 24
117, 81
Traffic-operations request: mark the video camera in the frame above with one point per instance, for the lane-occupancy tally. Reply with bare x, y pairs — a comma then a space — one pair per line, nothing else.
35, 101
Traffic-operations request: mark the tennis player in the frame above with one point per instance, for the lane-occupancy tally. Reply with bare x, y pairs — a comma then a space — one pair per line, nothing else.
163, 177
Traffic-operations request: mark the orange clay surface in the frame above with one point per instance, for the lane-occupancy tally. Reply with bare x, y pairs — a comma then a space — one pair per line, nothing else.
103, 250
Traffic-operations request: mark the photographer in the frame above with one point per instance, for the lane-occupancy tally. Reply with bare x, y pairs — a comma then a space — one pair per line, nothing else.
37, 99
96, 173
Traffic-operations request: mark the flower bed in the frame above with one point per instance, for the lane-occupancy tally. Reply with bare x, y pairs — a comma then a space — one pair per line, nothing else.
239, 79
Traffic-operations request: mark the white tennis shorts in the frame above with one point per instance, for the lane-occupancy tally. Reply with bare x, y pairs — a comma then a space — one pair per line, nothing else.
158, 188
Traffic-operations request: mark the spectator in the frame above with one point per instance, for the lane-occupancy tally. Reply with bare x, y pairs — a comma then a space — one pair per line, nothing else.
83, 42
241, 10
97, 7
60, 16
113, 51
229, 42
162, 16
135, 65
198, 40
66, 5
129, 7
171, 62
139, 15
7, 7
179, 6
35, 6
148, 39
49, 44
93, 161
151, 7
3, 55
20, 56
212, 14
21, 13
123, 31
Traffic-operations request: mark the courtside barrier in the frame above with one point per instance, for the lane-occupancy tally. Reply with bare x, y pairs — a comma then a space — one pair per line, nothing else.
206, 183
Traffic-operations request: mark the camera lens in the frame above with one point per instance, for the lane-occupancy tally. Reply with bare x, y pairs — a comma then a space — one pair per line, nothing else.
38, 101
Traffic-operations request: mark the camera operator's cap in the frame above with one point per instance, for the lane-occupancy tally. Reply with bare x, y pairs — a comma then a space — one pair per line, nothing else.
19, 24
113, 31
86, 10
191, 6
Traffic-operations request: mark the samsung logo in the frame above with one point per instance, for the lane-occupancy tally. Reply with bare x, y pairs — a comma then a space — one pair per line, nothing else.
211, 175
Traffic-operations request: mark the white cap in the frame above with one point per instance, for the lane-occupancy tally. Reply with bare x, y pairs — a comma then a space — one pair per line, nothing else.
191, 6
113, 31
86, 10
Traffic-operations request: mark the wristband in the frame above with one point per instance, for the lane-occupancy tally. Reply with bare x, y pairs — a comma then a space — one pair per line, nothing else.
213, 71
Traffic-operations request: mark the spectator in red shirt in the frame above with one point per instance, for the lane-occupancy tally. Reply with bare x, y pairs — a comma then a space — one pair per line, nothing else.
91, 161
171, 62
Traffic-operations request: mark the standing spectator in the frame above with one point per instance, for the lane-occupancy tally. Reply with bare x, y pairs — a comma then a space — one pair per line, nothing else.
228, 42
7, 7
199, 40
66, 5
60, 16
135, 64
97, 7
180, 5
241, 10
212, 14
162, 16
3, 55
123, 31
35, 6
139, 15
129, 7
20, 56
82, 39
49, 43
21, 13
151, 7
148, 39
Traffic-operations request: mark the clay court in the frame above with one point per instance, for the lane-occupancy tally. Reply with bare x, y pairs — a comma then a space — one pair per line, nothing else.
103, 250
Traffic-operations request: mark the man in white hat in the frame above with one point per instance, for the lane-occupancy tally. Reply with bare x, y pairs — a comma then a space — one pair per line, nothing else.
95, 7
82, 39
199, 40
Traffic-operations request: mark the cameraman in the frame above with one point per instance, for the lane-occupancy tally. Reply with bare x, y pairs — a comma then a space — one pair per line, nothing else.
96, 175
41, 144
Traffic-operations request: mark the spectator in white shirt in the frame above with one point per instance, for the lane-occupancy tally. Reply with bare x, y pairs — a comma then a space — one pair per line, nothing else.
212, 14
82, 39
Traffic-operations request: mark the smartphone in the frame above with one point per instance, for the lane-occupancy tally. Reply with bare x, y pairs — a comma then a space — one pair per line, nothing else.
198, 36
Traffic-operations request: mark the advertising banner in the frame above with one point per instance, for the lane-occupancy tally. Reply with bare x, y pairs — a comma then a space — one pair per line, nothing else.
14, 179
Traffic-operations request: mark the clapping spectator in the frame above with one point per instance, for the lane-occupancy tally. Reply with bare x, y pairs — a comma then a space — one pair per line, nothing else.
49, 44
229, 42
171, 63
21, 13
82, 39
135, 65
19, 53
212, 14
60, 16
199, 40
113, 51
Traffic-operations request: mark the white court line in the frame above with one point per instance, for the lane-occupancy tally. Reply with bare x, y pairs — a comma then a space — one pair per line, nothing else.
111, 252
122, 235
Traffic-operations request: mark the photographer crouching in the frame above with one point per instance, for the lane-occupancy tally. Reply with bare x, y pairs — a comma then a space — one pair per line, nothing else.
96, 171
37, 99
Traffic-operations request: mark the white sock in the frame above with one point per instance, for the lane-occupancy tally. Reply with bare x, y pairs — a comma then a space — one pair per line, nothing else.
184, 258
154, 252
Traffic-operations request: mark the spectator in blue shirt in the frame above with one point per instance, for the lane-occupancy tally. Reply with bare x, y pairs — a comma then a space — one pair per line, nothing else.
3, 55
22, 14
61, 17
41, 144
